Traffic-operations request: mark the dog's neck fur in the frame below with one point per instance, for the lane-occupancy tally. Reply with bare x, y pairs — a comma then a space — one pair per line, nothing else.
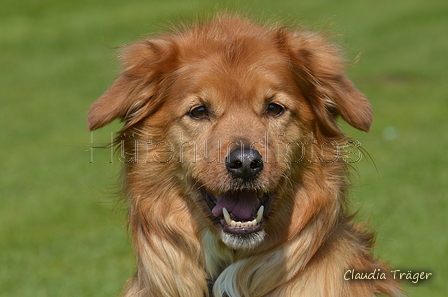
268, 274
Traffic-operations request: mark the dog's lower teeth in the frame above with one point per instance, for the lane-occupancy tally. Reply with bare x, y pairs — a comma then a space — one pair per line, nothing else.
252, 223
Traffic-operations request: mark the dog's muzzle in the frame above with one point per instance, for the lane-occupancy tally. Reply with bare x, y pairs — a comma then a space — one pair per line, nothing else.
240, 211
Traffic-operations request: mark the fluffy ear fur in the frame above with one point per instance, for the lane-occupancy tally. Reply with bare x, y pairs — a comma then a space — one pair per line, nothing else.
145, 64
320, 75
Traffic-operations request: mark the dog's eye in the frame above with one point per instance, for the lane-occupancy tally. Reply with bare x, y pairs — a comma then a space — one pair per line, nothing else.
275, 110
198, 113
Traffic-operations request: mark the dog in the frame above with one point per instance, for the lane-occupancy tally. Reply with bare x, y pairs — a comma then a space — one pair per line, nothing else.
235, 166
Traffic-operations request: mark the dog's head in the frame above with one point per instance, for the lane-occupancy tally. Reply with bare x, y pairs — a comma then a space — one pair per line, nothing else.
237, 116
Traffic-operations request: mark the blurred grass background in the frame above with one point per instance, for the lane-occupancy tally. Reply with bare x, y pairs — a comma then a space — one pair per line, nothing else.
62, 230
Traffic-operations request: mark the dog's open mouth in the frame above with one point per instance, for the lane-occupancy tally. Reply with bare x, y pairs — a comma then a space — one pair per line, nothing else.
239, 212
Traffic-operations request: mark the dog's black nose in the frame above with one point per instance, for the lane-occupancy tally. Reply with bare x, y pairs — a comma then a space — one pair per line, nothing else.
244, 163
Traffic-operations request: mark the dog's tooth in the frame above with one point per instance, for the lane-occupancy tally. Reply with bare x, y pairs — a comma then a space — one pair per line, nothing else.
226, 216
232, 223
260, 214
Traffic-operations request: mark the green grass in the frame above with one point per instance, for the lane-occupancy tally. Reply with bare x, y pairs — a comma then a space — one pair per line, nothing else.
62, 230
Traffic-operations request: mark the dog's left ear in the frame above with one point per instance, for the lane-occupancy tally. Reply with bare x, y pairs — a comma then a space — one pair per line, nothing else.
320, 75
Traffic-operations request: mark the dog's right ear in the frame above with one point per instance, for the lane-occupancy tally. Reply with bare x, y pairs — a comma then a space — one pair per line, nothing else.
145, 65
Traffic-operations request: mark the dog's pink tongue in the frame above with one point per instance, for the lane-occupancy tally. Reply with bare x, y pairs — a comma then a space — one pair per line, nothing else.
240, 204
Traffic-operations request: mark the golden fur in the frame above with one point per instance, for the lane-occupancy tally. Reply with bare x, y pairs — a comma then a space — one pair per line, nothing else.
175, 161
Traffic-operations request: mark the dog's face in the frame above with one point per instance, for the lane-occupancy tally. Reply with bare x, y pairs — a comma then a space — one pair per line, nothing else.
236, 110
235, 117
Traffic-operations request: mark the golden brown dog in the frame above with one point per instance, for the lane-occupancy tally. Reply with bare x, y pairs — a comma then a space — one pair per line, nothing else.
235, 167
